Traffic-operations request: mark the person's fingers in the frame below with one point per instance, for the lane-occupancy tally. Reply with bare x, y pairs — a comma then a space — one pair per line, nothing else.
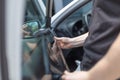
64, 45
55, 41
63, 77
58, 39
62, 39
63, 42
66, 72
54, 45
66, 77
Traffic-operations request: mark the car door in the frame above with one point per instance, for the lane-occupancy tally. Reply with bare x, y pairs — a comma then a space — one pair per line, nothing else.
72, 21
39, 61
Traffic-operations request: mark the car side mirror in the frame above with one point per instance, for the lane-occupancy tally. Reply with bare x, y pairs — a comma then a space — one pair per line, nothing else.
29, 28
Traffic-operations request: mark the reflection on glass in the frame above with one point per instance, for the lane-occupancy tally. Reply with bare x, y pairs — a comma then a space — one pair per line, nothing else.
29, 29
32, 56
33, 64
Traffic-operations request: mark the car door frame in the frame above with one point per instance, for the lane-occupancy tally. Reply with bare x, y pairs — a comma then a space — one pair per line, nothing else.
66, 11
3, 57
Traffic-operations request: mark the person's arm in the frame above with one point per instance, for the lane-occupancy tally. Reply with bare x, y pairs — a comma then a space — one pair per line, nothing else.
79, 41
66, 43
108, 68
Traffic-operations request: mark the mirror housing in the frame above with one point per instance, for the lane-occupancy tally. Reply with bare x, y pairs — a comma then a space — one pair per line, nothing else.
29, 28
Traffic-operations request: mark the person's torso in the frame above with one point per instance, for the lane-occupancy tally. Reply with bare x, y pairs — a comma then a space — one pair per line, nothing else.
104, 28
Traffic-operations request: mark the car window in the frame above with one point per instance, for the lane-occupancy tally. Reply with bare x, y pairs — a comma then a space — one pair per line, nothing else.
38, 58
76, 23
33, 11
73, 22
44, 1
34, 19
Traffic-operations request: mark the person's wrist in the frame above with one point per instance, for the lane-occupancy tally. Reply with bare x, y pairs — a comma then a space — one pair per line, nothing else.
72, 42
85, 75
90, 76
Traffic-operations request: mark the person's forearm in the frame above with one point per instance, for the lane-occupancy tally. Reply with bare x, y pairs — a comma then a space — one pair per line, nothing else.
109, 67
79, 41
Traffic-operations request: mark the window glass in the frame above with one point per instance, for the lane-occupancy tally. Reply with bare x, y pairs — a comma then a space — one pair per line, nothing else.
76, 23
44, 1
73, 25
34, 19
39, 60
34, 12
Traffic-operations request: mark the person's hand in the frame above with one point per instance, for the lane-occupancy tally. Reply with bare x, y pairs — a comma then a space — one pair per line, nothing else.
78, 75
64, 42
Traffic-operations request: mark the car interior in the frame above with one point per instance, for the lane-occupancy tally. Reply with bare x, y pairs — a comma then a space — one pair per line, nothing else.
74, 25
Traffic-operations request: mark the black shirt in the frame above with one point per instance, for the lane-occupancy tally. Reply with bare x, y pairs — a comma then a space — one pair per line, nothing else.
103, 30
